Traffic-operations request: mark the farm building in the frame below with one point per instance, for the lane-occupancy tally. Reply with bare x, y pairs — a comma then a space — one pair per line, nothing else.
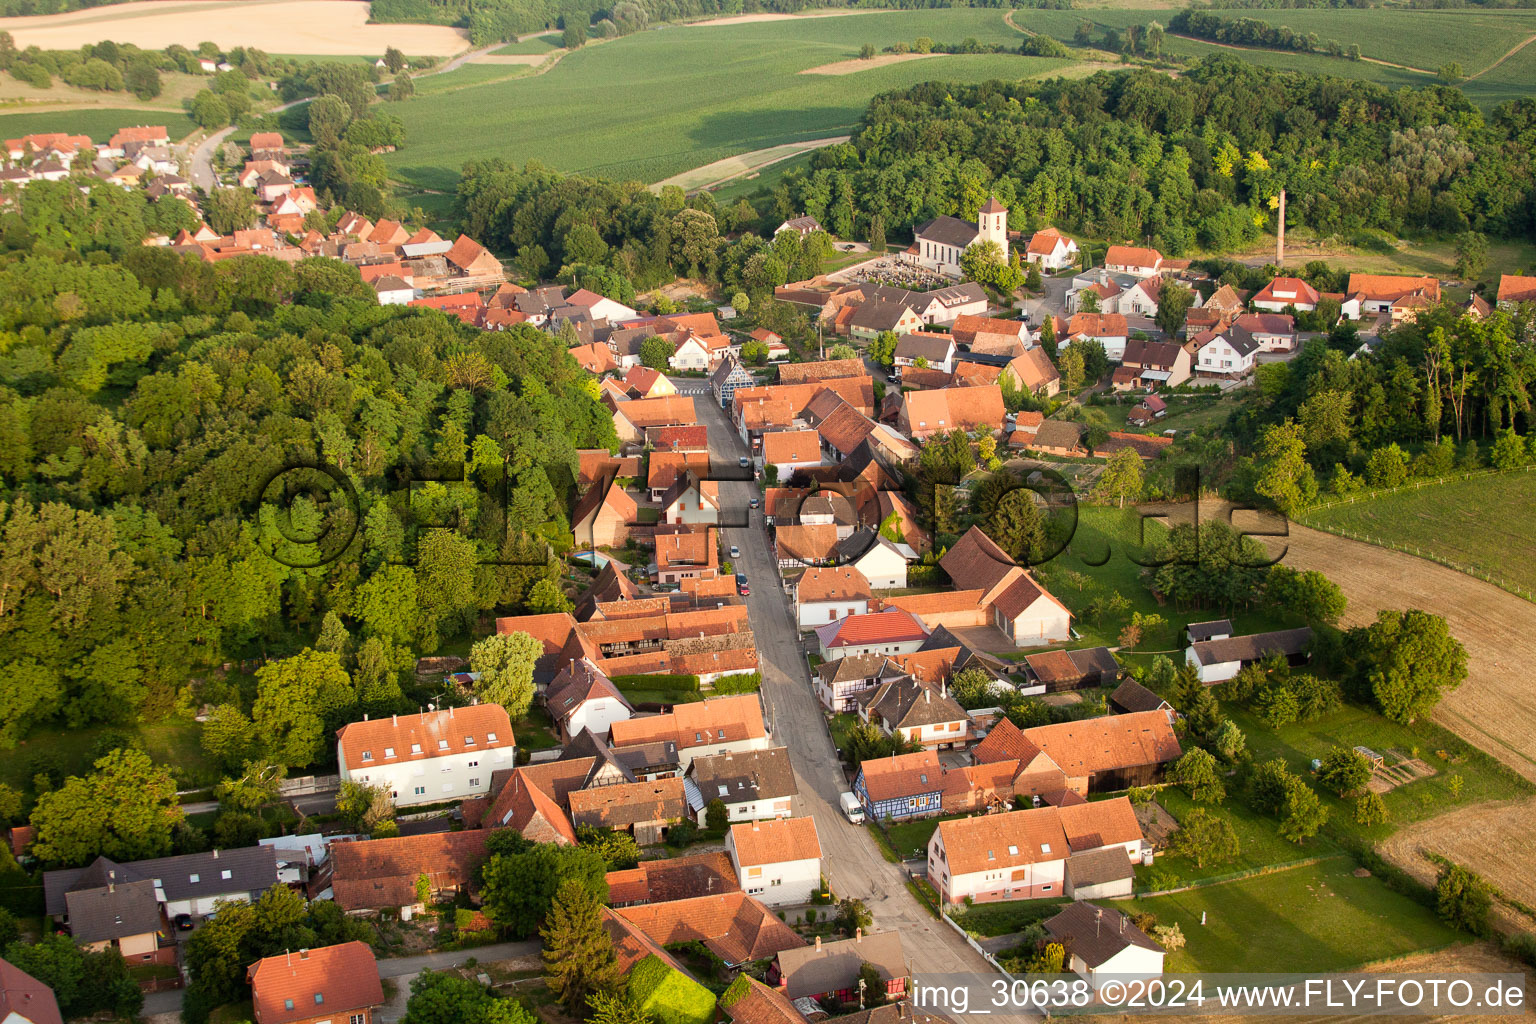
1216, 661
1105, 944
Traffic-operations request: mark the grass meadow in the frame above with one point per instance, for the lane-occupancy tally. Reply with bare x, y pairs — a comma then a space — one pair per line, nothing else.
98, 123
656, 103
1319, 917
1474, 525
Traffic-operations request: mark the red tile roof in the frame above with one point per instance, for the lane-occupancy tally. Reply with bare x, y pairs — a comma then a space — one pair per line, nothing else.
1287, 291
1389, 287
791, 446
626, 804
892, 626
375, 873
424, 736
841, 583
1132, 256
303, 984
901, 775
24, 995
681, 878
1515, 288
775, 841
734, 926
1097, 325
688, 725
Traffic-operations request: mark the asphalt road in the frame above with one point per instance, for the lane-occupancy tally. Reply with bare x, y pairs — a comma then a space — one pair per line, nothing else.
852, 862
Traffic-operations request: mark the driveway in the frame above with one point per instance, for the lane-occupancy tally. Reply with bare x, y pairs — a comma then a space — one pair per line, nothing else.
852, 862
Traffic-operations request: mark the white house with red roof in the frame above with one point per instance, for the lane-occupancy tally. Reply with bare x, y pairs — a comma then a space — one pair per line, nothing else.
317, 986
1286, 291
1021, 855
777, 860
582, 698
1051, 250
893, 631
430, 757
1133, 260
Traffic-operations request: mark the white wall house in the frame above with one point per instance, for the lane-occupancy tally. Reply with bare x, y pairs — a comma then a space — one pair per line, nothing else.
777, 861
883, 565
582, 697
719, 725
428, 758
1229, 352
1106, 945
691, 354
824, 595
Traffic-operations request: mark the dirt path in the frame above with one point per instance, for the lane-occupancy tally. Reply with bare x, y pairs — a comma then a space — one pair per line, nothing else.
1008, 20
730, 168
857, 64
1511, 52
1266, 49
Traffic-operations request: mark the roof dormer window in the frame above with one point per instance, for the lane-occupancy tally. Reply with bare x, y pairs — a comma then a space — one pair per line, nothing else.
469, 741
490, 737
415, 748
367, 755
442, 744
389, 751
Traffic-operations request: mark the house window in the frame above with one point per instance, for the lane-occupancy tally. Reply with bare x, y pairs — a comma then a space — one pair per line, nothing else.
415, 748
474, 782
389, 751
490, 737
367, 755
319, 998
474, 764
469, 741
421, 791
226, 874
358, 1018
287, 1004
194, 879
442, 744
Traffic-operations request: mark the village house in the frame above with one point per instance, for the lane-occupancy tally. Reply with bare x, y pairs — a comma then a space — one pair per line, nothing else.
1285, 292
380, 874
881, 561
1515, 289
129, 906
1001, 593
1147, 410
665, 468
1152, 364
751, 784
1226, 353
1141, 298
430, 757
921, 713
1051, 250
1021, 855
644, 382
892, 631
789, 450
801, 226
316, 986
830, 970
604, 515
25, 1000
685, 552
778, 860
1131, 697
680, 878
1058, 671
1272, 332
581, 698
715, 726
1129, 259
733, 926
1379, 293
645, 810
939, 243
1091, 755
925, 413
839, 682
631, 419
901, 786
729, 376
691, 500
919, 348
878, 316
825, 595
1104, 945
1218, 660
1108, 329
985, 334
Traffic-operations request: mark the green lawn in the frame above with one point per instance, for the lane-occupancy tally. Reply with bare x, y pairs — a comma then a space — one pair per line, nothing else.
99, 123
173, 742
535, 730
1184, 413
910, 838
726, 90
1483, 778
1314, 918
1474, 525
1003, 918
1258, 838
1112, 537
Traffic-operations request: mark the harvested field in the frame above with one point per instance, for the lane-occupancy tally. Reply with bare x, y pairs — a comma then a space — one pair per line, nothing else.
1483, 838
753, 19
747, 163
1495, 709
277, 26
510, 58
1468, 958
849, 67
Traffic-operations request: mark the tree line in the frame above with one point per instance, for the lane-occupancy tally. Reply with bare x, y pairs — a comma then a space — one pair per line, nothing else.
1193, 160
144, 397
1254, 32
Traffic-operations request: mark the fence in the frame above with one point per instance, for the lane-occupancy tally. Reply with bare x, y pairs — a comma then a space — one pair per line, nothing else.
1413, 549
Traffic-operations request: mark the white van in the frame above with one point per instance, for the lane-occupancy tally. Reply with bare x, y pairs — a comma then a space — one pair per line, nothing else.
852, 809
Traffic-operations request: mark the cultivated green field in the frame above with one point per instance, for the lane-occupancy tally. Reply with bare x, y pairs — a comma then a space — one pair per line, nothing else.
98, 124
1476, 525
656, 103
1421, 40
1314, 918
534, 44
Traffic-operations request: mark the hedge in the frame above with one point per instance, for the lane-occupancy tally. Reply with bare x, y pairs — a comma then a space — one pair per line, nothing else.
657, 681
669, 995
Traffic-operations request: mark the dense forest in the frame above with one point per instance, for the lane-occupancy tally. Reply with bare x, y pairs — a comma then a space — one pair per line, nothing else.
155, 518
1193, 160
